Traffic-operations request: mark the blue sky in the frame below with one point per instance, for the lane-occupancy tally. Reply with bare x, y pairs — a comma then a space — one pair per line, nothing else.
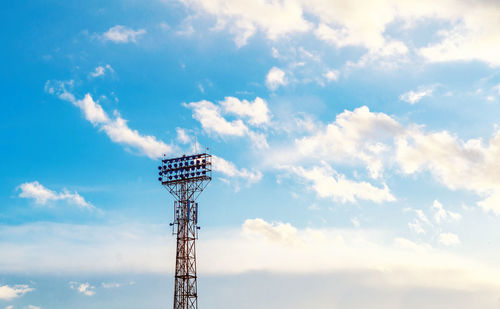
355, 146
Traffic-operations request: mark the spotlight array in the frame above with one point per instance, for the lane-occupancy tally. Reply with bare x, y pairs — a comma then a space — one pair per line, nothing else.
185, 168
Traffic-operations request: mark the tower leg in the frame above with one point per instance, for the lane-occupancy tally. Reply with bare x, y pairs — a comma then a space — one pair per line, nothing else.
185, 294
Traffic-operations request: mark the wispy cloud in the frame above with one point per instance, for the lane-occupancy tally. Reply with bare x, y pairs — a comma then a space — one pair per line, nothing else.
257, 245
230, 170
441, 214
83, 288
116, 128
414, 97
122, 34
101, 71
42, 195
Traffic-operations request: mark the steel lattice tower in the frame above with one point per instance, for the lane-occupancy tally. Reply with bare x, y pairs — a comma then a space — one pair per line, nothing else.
185, 178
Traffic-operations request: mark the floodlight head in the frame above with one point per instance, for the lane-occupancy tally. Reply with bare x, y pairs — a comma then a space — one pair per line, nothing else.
194, 171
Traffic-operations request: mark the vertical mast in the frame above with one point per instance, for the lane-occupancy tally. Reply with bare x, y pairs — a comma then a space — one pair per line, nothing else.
185, 178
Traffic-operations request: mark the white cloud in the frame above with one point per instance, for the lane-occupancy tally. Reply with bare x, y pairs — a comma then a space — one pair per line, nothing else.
421, 216
332, 75
257, 246
473, 36
377, 141
208, 114
257, 111
416, 227
328, 183
358, 135
119, 132
42, 195
458, 164
83, 288
275, 232
122, 34
244, 18
230, 170
210, 118
117, 128
449, 239
275, 78
11, 292
441, 214
101, 70
93, 111
182, 136
413, 97
33, 307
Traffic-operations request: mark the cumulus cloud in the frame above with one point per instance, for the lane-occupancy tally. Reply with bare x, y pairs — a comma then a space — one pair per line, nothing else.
101, 70
83, 288
358, 135
244, 18
33, 307
213, 122
413, 97
472, 36
122, 34
210, 118
449, 239
42, 195
458, 164
275, 78
378, 141
11, 292
116, 128
257, 111
329, 183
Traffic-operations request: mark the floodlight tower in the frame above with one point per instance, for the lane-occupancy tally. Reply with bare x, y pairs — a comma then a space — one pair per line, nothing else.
185, 178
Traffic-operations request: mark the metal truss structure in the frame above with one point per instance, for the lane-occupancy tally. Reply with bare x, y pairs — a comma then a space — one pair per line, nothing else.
185, 178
